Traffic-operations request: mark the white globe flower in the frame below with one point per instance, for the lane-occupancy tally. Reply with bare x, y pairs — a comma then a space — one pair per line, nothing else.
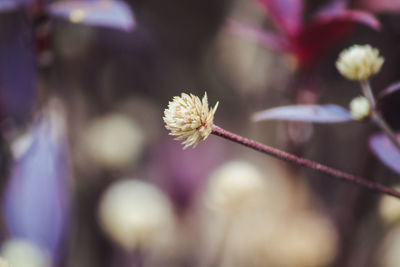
390, 256
234, 186
135, 214
359, 62
190, 118
304, 240
389, 208
114, 141
360, 107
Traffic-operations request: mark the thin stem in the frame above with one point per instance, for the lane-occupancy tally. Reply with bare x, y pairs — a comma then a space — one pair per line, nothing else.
304, 162
366, 89
376, 116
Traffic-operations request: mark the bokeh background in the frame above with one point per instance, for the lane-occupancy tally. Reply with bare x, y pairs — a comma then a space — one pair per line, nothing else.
90, 177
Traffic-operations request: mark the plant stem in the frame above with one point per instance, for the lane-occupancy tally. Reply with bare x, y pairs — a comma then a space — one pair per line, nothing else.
366, 89
304, 162
376, 116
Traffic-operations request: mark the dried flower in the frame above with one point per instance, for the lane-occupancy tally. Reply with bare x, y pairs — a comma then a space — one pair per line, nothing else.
190, 118
360, 107
359, 62
135, 214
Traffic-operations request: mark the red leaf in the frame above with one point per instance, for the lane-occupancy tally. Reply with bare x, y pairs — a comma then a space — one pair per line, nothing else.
316, 39
327, 28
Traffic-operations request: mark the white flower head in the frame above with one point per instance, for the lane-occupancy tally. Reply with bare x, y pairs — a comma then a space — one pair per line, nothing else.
190, 118
360, 107
359, 62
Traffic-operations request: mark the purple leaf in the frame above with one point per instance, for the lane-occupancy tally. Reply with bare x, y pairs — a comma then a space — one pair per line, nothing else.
336, 14
270, 40
390, 90
379, 5
384, 149
17, 75
36, 196
286, 14
307, 113
7, 5
106, 13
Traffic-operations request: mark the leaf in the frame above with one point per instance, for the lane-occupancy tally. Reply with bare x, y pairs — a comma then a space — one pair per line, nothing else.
384, 149
329, 26
306, 113
379, 5
18, 70
347, 15
7, 5
395, 87
270, 40
35, 201
106, 13
286, 14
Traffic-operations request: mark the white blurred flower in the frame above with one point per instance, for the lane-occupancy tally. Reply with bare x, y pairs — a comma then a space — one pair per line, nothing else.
135, 214
298, 239
389, 208
190, 118
115, 141
359, 62
360, 107
3, 263
21, 253
305, 240
389, 253
234, 186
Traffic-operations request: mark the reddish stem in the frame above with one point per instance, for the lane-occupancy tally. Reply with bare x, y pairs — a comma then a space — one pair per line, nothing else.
304, 162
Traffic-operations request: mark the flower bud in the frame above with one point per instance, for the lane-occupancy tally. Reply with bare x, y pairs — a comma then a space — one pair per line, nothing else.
360, 107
